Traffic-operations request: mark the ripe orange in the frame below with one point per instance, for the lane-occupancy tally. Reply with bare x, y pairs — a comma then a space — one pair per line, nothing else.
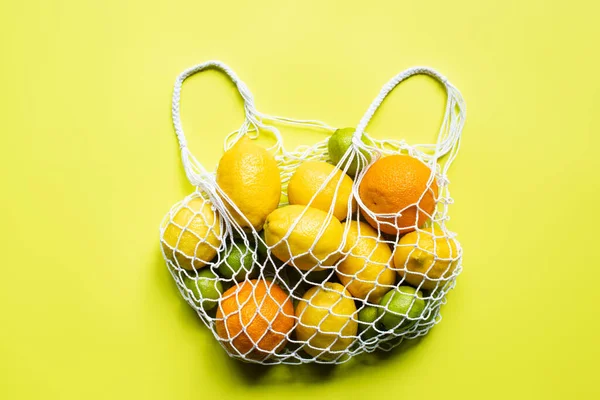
254, 318
394, 184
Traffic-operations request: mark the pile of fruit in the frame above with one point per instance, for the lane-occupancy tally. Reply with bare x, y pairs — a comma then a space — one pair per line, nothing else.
343, 255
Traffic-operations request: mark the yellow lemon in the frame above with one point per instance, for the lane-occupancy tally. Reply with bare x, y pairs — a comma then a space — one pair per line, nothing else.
327, 320
305, 246
192, 235
426, 257
308, 179
249, 176
366, 271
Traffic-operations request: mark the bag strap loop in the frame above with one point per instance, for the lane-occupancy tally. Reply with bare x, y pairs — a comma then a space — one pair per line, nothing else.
196, 173
454, 116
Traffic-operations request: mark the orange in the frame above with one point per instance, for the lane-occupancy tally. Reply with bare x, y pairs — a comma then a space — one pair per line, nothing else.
394, 184
255, 318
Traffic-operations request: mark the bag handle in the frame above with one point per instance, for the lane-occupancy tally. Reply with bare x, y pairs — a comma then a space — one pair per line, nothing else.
454, 116
196, 173
448, 138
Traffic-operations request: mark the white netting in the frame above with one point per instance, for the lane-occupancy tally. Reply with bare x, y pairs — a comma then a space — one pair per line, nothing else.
354, 286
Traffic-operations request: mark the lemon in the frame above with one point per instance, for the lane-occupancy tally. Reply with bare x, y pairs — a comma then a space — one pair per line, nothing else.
238, 263
192, 236
338, 145
401, 307
249, 176
304, 246
365, 271
308, 180
426, 258
327, 321
206, 288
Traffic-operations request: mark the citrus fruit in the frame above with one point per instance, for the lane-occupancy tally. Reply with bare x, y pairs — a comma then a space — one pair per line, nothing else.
365, 271
307, 183
255, 318
305, 246
426, 257
397, 184
206, 288
249, 176
327, 322
238, 263
192, 235
338, 145
400, 306
367, 317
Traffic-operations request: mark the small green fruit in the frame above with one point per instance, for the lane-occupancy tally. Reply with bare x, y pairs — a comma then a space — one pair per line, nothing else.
238, 263
206, 288
399, 304
339, 143
366, 322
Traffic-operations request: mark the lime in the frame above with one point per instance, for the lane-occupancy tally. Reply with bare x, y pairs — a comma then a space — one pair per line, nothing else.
399, 305
238, 263
366, 322
340, 142
206, 288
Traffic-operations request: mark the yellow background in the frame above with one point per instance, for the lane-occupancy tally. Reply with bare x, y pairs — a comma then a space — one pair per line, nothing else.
90, 164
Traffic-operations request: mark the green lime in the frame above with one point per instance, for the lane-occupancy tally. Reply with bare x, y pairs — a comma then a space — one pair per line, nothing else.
340, 142
238, 263
366, 322
206, 288
400, 303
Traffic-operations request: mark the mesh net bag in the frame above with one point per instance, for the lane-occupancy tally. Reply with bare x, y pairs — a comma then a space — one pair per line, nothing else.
353, 256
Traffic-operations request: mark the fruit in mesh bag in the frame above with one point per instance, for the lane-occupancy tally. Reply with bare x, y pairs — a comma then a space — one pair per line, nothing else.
249, 176
206, 288
340, 142
326, 321
401, 307
255, 319
368, 318
426, 258
365, 271
398, 184
192, 236
315, 239
238, 262
307, 181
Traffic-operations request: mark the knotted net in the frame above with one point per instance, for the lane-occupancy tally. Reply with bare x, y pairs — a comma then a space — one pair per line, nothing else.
270, 305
